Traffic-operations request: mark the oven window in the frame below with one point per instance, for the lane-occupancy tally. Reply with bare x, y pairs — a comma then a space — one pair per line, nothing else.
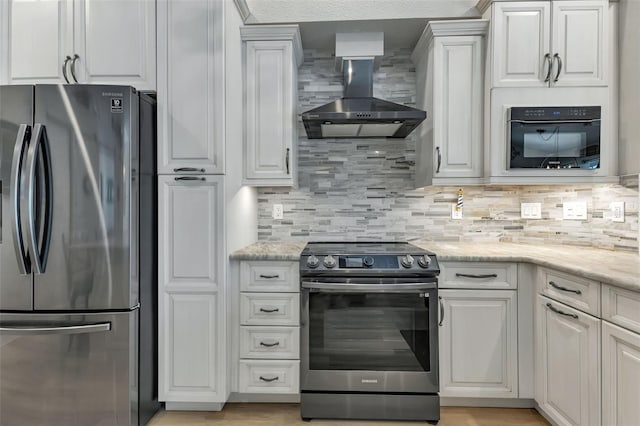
375, 331
562, 145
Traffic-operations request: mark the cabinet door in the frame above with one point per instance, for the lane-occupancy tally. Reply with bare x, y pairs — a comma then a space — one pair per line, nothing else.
521, 37
482, 323
457, 122
580, 40
190, 86
37, 38
567, 363
270, 119
620, 376
116, 42
191, 290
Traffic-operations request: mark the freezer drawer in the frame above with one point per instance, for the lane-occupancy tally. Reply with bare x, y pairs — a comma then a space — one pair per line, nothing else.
78, 369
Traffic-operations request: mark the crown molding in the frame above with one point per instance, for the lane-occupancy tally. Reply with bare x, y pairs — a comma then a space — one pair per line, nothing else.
483, 5
275, 32
243, 9
458, 27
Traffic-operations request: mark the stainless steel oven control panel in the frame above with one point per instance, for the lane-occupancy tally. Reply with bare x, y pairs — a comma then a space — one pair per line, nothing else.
380, 263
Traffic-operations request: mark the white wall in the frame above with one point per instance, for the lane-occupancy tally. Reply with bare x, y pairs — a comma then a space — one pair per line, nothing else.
629, 133
241, 201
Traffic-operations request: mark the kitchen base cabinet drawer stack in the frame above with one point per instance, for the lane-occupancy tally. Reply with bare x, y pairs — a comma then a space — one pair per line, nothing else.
479, 316
269, 327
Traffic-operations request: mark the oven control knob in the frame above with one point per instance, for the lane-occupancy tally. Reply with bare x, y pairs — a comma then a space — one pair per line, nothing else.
368, 261
329, 261
424, 261
407, 261
313, 262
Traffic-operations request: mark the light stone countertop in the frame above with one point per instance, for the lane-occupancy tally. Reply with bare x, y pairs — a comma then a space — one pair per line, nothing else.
621, 269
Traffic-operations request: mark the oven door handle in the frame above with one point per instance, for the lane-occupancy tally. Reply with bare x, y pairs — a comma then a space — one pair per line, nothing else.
369, 288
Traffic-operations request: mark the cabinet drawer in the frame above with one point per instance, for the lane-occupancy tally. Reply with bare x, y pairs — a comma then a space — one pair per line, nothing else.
270, 309
478, 275
269, 342
262, 276
269, 376
621, 307
580, 293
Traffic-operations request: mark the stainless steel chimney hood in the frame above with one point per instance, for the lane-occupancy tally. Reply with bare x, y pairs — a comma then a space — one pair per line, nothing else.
358, 114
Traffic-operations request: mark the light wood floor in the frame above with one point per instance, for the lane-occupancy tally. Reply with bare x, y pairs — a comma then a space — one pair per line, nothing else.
289, 414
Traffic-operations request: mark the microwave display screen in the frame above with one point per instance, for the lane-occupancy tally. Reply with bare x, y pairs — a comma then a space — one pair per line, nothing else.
543, 142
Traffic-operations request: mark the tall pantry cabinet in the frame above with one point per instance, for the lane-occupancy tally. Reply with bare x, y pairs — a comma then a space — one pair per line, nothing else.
191, 258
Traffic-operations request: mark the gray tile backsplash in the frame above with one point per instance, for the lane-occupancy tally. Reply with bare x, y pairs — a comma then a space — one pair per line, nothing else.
362, 189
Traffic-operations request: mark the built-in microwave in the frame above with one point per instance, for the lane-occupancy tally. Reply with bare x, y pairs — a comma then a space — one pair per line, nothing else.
554, 137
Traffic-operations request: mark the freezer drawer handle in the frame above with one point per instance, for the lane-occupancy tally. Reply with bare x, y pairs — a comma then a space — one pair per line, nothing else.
558, 311
39, 252
24, 133
273, 379
559, 287
479, 276
269, 345
269, 311
72, 329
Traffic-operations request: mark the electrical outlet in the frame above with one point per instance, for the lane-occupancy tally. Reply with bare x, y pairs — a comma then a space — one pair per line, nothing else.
456, 214
531, 210
617, 211
278, 211
576, 210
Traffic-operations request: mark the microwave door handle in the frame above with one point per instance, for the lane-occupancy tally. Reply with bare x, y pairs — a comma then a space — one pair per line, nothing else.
24, 133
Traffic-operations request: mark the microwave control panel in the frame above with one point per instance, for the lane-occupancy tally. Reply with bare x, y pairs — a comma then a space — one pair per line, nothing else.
555, 113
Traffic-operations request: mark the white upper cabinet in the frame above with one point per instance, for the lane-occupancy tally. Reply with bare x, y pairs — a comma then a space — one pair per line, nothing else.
272, 55
190, 87
449, 60
83, 41
557, 43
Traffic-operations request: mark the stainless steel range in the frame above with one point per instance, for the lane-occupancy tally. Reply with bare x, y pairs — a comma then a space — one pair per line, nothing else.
369, 337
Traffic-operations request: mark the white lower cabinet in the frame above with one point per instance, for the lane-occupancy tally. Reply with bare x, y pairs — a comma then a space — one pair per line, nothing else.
479, 343
567, 363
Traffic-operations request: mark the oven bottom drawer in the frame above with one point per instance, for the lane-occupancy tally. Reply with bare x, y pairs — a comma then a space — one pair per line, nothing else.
367, 406
269, 376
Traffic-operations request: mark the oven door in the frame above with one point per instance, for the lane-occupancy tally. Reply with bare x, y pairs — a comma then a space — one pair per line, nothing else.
369, 335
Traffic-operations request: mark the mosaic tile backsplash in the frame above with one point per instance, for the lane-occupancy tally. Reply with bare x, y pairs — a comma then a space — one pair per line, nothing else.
363, 189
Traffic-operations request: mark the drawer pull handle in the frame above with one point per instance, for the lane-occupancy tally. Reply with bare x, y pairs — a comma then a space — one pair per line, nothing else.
559, 287
477, 275
558, 311
273, 379
269, 311
269, 345
190, 178
269, 277
188, 169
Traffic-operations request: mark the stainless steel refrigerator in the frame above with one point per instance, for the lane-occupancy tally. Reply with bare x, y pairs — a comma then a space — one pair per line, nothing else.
78, 310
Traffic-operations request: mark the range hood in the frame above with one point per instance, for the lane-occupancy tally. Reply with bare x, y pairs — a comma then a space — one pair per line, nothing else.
358, 114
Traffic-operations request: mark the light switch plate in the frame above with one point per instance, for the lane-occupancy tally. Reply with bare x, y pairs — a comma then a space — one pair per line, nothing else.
456, 214
531, 210
617, 211
574, 210
278, 211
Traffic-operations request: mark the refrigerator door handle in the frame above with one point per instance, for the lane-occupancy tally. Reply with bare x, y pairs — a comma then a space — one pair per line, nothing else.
39, 252
24, 132
73, 329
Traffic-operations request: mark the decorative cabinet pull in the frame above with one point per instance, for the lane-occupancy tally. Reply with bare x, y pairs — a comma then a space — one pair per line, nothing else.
478, 276
559, 287
273, 379
73, 67
441, 310
269, 277
269, 345
269, 311
190, 178
547, 59
287, 160
439, 159
64, 68
558, 311
188, 169
557, 56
